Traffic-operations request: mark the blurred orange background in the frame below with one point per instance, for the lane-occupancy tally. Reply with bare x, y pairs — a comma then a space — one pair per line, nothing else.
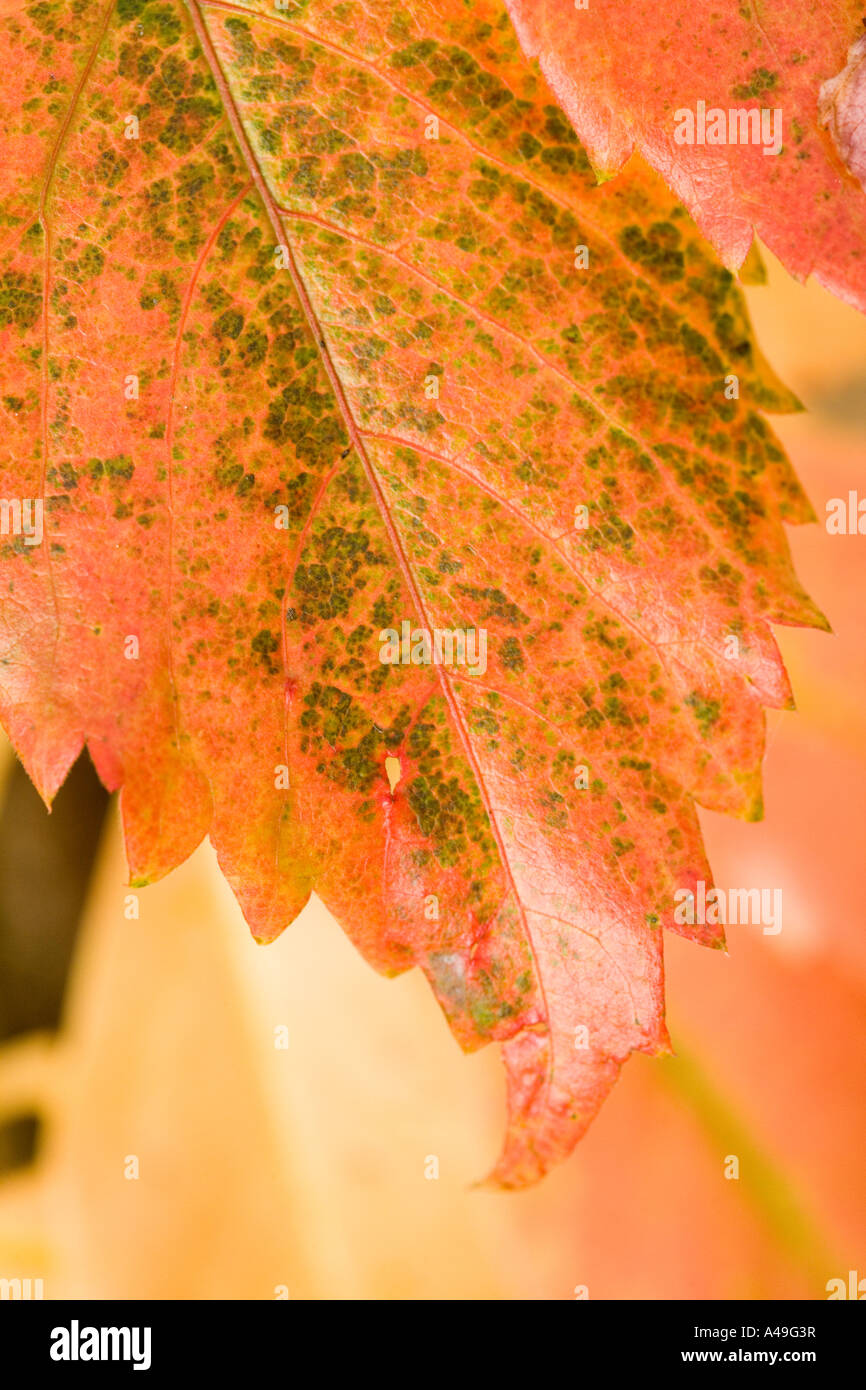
266, 1171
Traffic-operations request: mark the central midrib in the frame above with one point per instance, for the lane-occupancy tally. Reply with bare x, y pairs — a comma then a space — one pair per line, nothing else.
357, 440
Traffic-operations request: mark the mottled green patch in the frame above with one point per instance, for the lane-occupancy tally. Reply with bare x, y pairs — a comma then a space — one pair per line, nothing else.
495, 604
413, 54
759, 83
110, 168
229, 324
327, 583
511, 655
20, 300
118, 467
706, 712
658, 251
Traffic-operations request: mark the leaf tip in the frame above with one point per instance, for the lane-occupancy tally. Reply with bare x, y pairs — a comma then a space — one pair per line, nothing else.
266, 938
753, 270
755, 809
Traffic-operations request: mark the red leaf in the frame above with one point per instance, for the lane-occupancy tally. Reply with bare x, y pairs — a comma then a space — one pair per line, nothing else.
292, 366
625, 72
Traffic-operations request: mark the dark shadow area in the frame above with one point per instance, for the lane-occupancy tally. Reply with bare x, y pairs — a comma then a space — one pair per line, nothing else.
18, 1140
46, 863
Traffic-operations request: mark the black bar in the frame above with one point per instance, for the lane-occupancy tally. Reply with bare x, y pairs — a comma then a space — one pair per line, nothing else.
610, 1337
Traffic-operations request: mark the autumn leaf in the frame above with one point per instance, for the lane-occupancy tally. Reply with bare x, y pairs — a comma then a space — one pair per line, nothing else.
316, 324
841, 110
648, 77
